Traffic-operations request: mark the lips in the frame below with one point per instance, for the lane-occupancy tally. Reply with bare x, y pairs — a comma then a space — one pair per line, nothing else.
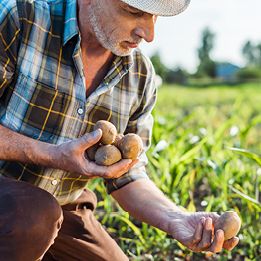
131, 44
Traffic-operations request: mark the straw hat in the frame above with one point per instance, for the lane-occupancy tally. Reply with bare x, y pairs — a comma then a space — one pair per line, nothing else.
159, 7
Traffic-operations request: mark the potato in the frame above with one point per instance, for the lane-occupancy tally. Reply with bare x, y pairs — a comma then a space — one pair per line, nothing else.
230, 223
107, 155
118, 140
130, 146
109, 131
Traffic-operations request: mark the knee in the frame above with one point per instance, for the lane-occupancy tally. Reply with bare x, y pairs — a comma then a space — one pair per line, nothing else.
31, 216
39, 209
43, 207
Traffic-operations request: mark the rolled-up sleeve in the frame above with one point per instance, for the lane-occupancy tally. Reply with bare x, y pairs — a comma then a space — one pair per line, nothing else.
9, 42
141, 123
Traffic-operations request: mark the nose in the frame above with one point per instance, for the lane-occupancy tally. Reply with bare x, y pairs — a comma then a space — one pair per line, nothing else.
145, 29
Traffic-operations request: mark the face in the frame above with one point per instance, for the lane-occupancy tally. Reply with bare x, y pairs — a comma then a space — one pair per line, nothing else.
119, 27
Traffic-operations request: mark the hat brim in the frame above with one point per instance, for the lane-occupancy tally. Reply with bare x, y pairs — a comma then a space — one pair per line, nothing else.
159, 7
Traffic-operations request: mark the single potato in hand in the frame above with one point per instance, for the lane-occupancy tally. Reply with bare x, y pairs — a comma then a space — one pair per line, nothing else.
230, 223
107, 155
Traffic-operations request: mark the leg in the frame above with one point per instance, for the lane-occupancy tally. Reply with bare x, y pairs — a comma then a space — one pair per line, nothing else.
29, 220
82, 237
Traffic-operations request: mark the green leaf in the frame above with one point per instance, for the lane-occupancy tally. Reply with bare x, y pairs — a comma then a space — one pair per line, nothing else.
190, 154
132, 226
245, 196
248, 154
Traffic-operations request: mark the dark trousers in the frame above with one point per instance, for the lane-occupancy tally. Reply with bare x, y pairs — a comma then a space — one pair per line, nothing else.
33, 226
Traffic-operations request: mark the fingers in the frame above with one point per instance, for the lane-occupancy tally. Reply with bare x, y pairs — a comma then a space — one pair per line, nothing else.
114, 171
89, 139
214, 217
204, 238
118, 169
134, 162
217, 243
206, 235
198, 232
231, 243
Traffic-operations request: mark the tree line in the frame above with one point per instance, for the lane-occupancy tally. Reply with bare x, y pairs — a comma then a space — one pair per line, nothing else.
208, 67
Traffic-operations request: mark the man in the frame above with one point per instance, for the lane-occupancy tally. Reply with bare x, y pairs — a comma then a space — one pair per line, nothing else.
64, 66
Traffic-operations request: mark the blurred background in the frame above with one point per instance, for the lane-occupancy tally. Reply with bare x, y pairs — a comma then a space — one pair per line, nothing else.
220, 40
206, 142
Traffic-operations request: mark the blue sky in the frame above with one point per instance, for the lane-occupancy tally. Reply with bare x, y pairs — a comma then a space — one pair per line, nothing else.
233, 21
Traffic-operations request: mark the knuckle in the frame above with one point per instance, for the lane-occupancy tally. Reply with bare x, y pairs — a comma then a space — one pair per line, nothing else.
204, 245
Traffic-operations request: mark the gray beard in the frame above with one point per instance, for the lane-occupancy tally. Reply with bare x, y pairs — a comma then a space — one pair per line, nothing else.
107, 40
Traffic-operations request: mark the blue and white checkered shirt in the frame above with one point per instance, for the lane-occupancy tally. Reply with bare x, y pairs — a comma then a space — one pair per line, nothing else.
43, 95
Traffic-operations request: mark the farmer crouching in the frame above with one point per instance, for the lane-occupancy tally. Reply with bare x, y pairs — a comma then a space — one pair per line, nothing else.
64, 66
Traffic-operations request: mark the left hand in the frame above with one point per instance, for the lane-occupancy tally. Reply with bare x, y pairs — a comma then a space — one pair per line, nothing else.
196, 231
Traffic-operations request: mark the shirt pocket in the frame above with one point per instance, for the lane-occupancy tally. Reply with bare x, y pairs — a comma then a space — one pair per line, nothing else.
36, 110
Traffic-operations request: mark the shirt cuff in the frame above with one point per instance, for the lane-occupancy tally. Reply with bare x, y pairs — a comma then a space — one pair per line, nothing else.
115, 184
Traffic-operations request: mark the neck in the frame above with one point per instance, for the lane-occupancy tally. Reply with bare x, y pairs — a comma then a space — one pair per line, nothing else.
91, 47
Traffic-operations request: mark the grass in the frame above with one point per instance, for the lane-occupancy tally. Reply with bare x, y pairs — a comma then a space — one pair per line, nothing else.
198, 170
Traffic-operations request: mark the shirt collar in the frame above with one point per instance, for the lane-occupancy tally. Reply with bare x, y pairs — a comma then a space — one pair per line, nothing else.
128, 61
70, 21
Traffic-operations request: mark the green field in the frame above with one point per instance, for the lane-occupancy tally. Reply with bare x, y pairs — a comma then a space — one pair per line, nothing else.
197, 169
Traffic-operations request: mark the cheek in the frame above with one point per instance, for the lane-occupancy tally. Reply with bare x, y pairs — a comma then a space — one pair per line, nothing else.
119, 34
118, 30
123, 27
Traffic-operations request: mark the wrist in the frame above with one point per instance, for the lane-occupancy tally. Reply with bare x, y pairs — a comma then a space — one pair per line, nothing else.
41, 153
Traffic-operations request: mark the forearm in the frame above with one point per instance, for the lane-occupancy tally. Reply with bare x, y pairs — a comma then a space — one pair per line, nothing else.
17, 147
145, 202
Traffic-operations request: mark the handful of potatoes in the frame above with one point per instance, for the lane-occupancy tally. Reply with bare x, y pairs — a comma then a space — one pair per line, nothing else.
113, 146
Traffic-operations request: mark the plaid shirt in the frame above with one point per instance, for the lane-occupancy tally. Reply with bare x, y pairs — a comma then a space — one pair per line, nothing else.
43, 95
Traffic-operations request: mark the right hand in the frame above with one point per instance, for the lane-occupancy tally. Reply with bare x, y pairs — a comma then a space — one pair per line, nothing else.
196, 231
71, 158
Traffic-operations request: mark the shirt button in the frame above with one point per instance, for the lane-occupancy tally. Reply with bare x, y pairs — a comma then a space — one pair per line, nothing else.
80, 111
54, 182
